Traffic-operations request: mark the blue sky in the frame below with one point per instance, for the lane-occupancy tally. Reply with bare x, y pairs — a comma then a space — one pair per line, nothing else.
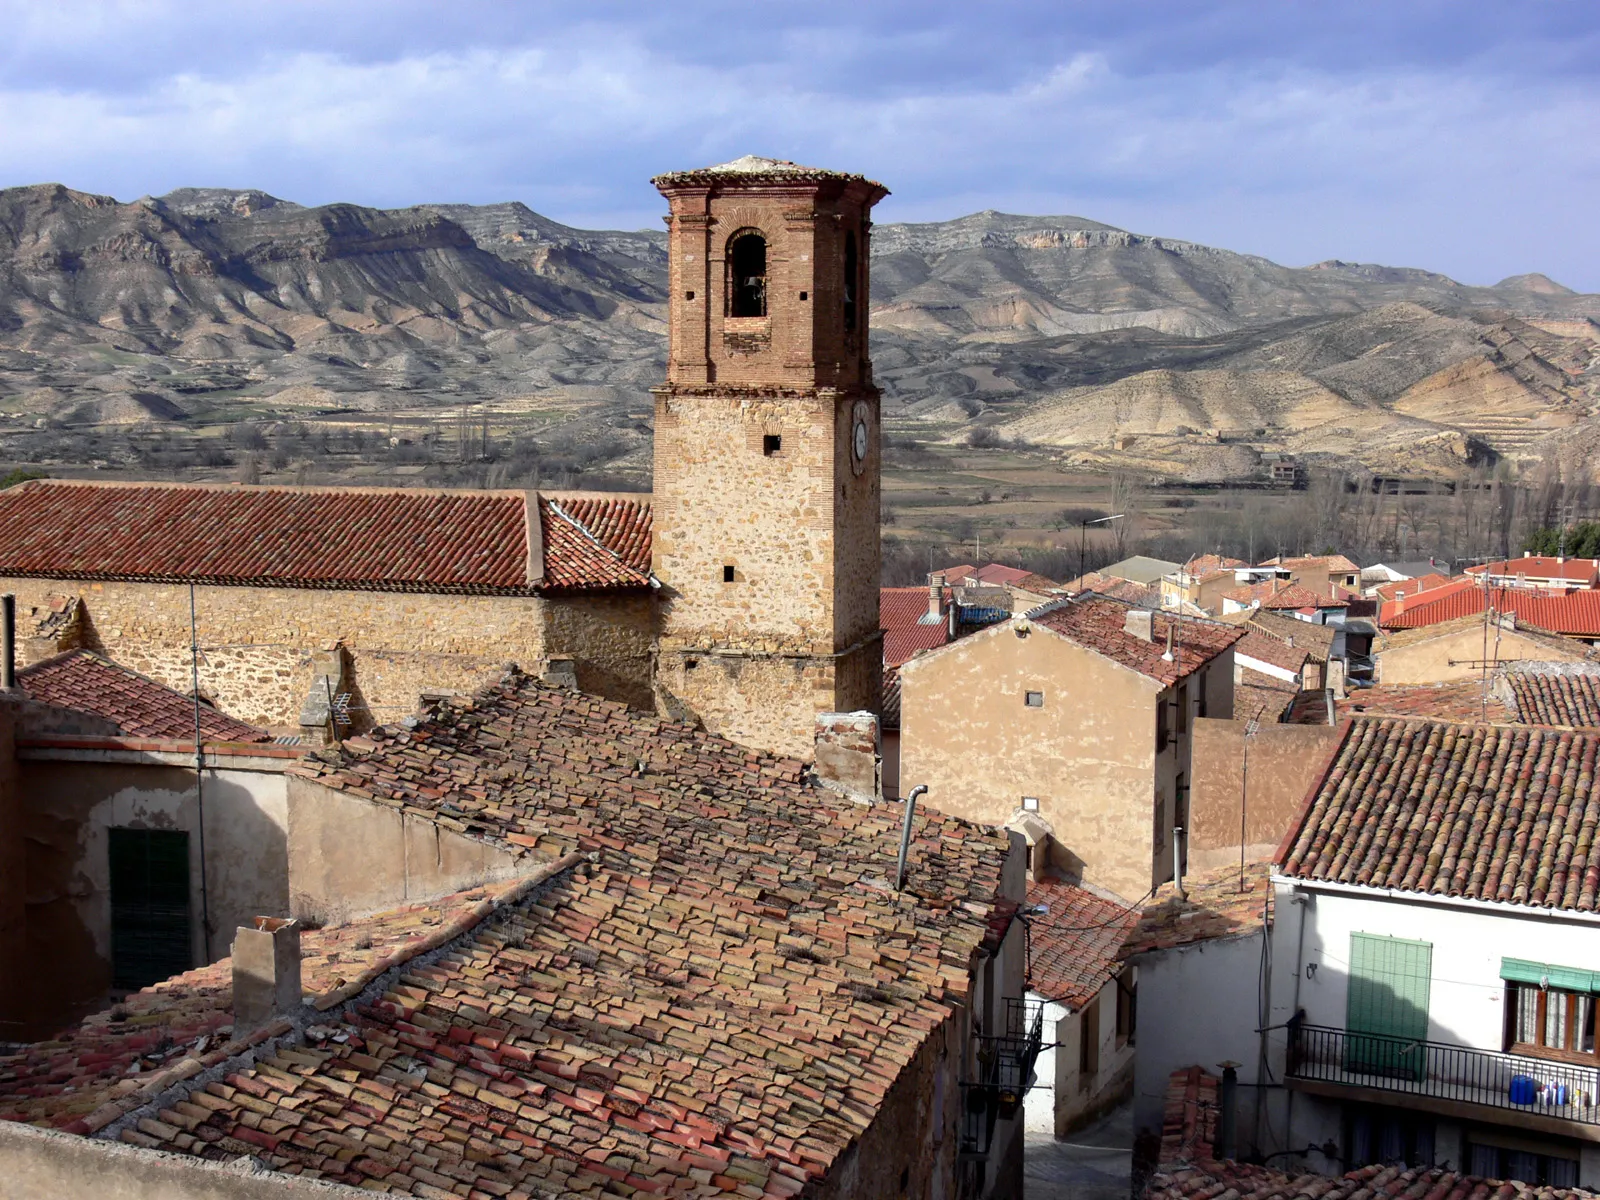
1462, 137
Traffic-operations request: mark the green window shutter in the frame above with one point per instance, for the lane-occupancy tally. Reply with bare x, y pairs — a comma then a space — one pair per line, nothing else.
1388, 999
1572, 979
150, 936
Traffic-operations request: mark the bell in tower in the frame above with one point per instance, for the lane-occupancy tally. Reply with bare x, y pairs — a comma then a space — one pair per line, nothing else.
767, 453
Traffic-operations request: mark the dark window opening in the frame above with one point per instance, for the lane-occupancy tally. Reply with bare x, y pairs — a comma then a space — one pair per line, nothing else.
771, 443
1183, 709
1525, 1163
1549, 1022
905, 1178
852, 268
1034, 700
1127, 1011
804, 296
1387, 1136
688, 295
727, 574
747, 271
690, 664
1162, 734
150, 936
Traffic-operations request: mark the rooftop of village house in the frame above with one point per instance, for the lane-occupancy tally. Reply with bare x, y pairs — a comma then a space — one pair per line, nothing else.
719, 993
1209, 905
1503, 813
401, 539
1075, 942
1099, 623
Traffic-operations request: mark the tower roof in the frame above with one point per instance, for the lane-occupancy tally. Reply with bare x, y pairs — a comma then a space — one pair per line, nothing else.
752, 168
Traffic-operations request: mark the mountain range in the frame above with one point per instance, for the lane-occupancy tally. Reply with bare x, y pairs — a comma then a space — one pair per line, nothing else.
1103, 348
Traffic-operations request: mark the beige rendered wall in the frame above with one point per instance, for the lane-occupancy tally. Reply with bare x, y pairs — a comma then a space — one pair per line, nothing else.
1430, 661
1285, 761
43, 1163
1088, 754
348, 856
71, 805
256, 643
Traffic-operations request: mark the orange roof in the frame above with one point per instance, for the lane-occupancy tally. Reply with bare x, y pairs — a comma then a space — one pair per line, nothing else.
1274, 594
1410, 587
1208, 564
1075, 943
1571, 570
1097, 623
1576, 614
136, 705
358, 538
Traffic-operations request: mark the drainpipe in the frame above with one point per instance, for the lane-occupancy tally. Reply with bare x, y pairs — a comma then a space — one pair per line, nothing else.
1177, 861
905, 835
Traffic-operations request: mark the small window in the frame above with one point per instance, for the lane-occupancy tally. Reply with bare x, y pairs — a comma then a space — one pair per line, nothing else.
804, 296
727, 573
1162, 734
771, 443
1546, 1019
688, 295
690, 664
1127, 1009
1034, 700
747, 276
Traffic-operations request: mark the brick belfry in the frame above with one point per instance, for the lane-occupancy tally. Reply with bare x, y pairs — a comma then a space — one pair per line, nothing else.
767, 454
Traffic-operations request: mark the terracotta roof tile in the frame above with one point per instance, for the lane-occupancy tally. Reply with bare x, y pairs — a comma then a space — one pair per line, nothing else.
360, 538
1263, 647
1207, 564
1274, 594
1555, 695
1410, 587
1574, 615
1189, 1171
1486, 812
136, 705
905, 607
1582, 571
714, 1000
1458, 700
1096, 623
1076, 943
889, 703
1138, 594
1213, 907
1262, 697
1316, 639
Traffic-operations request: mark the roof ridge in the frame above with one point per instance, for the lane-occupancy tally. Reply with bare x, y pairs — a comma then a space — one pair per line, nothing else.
299, 488
555, 507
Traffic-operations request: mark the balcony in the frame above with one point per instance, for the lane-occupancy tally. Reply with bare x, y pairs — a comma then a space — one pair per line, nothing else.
1532, 1093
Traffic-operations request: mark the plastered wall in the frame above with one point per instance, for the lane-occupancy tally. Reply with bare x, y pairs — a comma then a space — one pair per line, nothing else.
70, 807
348, 856
257, 643
1456, 655
1284, 762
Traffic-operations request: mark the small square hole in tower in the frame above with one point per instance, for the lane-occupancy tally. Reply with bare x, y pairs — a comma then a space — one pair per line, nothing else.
1034, 700
771, 443
727, 573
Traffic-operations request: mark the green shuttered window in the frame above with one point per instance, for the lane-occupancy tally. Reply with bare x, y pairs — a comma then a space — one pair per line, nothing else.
1388, 999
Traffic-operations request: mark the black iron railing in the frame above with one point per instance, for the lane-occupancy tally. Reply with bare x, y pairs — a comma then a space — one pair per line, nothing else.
1510, 1081
1005, 1063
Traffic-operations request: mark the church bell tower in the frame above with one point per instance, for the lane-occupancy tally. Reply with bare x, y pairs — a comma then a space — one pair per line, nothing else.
767, 453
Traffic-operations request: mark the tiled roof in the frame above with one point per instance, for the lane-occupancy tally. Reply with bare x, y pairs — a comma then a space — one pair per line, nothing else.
1189, 1169
1273, 593
1458, 700
998, 574
1138, 594
1486, 812
1263, 647
1213, 907
1262, 697
1574, 615
1206, 564
1316, 639
1573, 570
1332, 563
1554, 696
1410, 587
902, 645
1075, 943
117, 1059
1035, 583
136, 705
889, 701
362, 538
957, 574
905, 607
1311, 707
1096, 623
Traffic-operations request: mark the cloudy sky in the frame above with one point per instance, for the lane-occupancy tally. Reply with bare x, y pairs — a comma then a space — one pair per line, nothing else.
1460, 136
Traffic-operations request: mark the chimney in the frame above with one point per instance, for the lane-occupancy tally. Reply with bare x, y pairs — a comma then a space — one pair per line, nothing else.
1168, 656
847, 755
266, 971
935, 599
1336, 678
1228, 1103
8, 642
1140, 623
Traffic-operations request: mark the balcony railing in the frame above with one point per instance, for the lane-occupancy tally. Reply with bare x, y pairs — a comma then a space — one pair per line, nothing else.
1539, 1086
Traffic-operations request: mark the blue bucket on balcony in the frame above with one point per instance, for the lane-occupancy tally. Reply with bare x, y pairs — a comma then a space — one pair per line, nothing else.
1524, 1089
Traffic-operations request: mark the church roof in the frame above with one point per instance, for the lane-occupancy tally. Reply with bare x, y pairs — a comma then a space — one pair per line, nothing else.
753, 168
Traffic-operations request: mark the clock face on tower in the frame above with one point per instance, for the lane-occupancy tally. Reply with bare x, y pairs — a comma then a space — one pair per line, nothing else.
860, 437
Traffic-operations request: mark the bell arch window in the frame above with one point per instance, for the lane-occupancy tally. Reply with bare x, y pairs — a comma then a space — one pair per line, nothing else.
852, 272
747, 274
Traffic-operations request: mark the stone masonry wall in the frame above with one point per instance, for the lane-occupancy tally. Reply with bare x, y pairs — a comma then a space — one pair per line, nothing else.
257, 643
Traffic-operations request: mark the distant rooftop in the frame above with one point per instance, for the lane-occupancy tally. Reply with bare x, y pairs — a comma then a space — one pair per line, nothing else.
138, 706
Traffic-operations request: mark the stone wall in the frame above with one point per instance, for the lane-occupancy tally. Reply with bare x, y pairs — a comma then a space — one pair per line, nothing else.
256, 644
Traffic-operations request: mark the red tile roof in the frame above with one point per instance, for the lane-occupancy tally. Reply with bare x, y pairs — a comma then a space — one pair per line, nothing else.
1262, 697
1263, 647
1096, 623
1486, 812
1334, 564
889, 701
905, 607
998, 574
900, 646
361, 538
1138, 594
1583, 571
1410, 587
1207, 564
136, 705
1075, 944
1213, 906
1555, 696
1458, 700
1275, 594
1189, 1170
1574, 615
185, 1024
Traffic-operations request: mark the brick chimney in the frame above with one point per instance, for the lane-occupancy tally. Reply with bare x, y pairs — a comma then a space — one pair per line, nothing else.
1139, 623
266, 971
935, 599
847, 754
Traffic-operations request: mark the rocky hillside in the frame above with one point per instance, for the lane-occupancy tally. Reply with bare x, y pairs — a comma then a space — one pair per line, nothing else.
1111, 348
